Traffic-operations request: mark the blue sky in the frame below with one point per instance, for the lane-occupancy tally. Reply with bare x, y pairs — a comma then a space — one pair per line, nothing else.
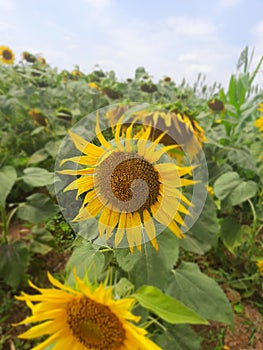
175, 38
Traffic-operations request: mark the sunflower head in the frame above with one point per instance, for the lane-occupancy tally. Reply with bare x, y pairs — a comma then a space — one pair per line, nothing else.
28, 57
41, 60
86, 317
76, 73
94, 86
260, 266
167, 79
64, 114
38, 117
6, 55
182, 128
127, 181
216, 105
259, 122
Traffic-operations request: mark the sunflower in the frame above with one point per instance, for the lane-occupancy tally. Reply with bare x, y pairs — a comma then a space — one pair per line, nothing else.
260, 266
125, 182
181, 129
6, 55
259, 122
28, 57
94, 86
86, 317
216, 105
38, 117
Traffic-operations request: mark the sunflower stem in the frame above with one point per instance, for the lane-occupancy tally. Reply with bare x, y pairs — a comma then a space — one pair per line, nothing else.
254, 227
4, 224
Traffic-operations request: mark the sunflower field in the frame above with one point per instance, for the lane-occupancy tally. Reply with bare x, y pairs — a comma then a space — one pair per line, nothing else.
131, 211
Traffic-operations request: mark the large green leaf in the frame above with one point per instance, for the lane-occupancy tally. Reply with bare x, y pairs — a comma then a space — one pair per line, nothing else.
7, 181
13, 263
200, 293
38, 177
42, 242
154, 267
242, 158
38, 207
230, 233
234, 190
166, 307
179, 337
204, 233
86, 258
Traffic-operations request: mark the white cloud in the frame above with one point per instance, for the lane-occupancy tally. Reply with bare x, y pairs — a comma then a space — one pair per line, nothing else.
258, 28
191, 26
188, 57
99, 4
7, 4
229, 3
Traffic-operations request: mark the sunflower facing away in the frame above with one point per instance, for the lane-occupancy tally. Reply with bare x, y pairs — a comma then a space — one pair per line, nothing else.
86, 317
6, 55
128, 185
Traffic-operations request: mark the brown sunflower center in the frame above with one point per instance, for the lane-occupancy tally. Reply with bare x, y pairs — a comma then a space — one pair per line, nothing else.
7, 54
128, 181
94, 325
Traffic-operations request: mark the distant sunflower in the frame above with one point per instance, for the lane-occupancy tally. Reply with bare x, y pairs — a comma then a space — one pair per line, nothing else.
6, 55
41, 60
28, 57
83, 318
94, 86
38, 117
216, 105
76, 73
126, 185
181, 129
259, 122
260, 266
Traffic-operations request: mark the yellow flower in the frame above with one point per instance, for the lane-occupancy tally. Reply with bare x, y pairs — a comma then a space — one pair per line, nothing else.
216, 105
6, 55
76, 73
42, 61
210, 190
260, 266
38, 117
94, 86
127, 185
181, 129
259, 122
86, 317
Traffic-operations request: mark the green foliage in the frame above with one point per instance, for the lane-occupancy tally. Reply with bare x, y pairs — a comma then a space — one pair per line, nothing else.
166, 307
200, 293
228, 233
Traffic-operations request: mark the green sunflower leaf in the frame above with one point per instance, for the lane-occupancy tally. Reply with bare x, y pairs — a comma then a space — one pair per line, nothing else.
7, 181
154, 267
166, 307
38, 207
38, 177
233, 190
200, 293
179, 337
13, 263
86, 258
203, 235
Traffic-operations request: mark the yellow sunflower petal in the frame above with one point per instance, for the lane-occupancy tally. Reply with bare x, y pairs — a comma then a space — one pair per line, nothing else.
121, 229
85, 146
99, 134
